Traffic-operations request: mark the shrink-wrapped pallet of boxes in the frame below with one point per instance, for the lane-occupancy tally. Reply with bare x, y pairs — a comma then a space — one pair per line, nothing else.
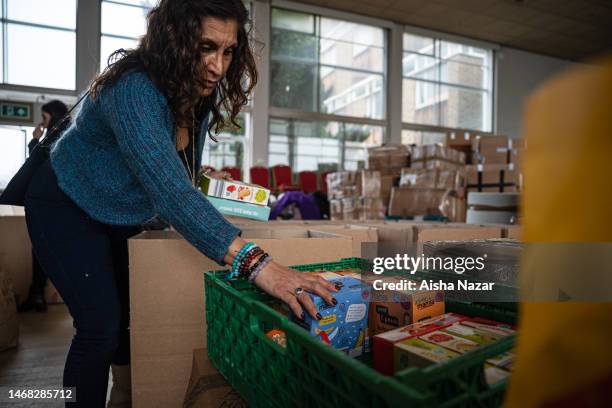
436, 156
388, 160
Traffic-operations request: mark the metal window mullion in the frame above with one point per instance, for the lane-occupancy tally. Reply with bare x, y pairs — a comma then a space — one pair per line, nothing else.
37, 25
284, 113
466, 87
4, 45
118, 36
120, 3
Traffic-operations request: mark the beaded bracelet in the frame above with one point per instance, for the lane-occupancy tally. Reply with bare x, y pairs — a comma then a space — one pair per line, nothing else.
239, 256
256, 264
259, 268
247, 260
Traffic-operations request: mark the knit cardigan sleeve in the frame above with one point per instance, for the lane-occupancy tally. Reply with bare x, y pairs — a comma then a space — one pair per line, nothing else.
138, 115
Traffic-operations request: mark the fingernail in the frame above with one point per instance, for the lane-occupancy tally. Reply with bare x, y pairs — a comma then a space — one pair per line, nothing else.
339, 285
318, 316
334, 301
302, 316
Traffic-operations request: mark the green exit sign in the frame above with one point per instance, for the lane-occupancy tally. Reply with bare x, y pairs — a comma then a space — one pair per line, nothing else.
16, 111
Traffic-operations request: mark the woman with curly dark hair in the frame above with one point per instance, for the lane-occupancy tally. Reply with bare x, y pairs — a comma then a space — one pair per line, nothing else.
133, 152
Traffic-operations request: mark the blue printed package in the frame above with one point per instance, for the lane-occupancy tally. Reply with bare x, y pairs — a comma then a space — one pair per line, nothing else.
344, 325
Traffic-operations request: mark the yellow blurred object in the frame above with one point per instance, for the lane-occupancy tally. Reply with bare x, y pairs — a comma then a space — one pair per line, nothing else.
563, 347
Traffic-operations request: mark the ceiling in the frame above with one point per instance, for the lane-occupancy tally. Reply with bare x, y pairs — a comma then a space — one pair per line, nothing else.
568, 29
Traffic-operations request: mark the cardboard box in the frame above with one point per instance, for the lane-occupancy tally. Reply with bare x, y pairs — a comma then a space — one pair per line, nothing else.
408, 201
365, 239
17, 249
167, 302
492, 178
490, 149
207, 387
386, 184
392, 308
383, 343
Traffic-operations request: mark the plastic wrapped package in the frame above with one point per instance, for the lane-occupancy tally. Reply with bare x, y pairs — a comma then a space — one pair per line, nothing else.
370, 183
490, 149
503, 178
436, 156
342, 184
501, 256
335, 210
388, 159
432, 178
350, 208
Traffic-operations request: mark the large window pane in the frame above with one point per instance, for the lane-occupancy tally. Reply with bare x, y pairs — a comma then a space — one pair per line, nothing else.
446, 84
56, 13
12, 151
31, 61
127, 21
108, 45
293, 20
293, 86
229, 151
464, 108
333, 66
351, 93
420, 102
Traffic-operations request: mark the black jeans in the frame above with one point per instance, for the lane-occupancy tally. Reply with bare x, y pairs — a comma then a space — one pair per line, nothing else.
87, 261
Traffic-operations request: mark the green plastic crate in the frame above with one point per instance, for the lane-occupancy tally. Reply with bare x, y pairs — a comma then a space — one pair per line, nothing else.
308, 373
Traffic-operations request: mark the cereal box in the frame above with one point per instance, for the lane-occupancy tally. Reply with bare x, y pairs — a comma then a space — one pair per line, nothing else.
383, 342
344, 325
419, 353
446, 340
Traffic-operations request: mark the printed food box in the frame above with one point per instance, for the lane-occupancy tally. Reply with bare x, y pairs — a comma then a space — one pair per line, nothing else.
382, 343
344, 325
494, 327
472, 334
446, 340
391, 309
234, 190
419, 353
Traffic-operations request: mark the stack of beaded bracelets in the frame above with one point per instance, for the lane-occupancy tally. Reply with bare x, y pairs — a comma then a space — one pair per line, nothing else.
243, 265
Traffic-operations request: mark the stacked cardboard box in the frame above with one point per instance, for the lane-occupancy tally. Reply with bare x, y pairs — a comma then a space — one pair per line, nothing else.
388, 160
436, 156
355, 195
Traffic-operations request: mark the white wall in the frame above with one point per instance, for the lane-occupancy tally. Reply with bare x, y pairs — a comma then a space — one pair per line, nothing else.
519, 73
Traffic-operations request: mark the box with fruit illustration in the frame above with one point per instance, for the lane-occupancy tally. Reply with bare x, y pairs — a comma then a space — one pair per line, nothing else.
213, 186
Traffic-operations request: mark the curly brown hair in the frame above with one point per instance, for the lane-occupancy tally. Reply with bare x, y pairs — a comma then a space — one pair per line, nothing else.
170, 53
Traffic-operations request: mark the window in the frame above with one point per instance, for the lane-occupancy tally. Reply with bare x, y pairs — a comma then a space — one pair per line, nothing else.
320, 145
326, 65
38, 43
229, 151
123, 23
13, 150
446, 84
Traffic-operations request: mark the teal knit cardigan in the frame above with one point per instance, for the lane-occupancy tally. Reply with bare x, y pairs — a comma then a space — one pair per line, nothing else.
118, 162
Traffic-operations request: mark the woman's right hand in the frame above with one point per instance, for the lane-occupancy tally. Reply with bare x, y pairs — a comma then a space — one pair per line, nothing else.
284, 284
38, 131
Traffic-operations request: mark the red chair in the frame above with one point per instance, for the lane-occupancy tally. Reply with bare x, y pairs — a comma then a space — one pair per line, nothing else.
308, 181
282, 178
324, 181
260, 176
233, 171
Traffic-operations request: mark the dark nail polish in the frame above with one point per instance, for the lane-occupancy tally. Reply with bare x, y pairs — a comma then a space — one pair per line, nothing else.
302, 316
334, 301
318, 316
339, 285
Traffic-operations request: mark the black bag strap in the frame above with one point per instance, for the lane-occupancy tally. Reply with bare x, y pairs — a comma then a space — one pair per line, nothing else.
57, 126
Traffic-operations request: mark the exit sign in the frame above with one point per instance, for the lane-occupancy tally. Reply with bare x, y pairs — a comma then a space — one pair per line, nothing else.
16, 111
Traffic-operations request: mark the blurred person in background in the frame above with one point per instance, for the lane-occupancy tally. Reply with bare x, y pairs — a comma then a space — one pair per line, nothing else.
52, 114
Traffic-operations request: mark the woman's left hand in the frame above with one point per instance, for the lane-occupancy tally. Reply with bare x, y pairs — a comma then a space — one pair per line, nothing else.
291, 287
